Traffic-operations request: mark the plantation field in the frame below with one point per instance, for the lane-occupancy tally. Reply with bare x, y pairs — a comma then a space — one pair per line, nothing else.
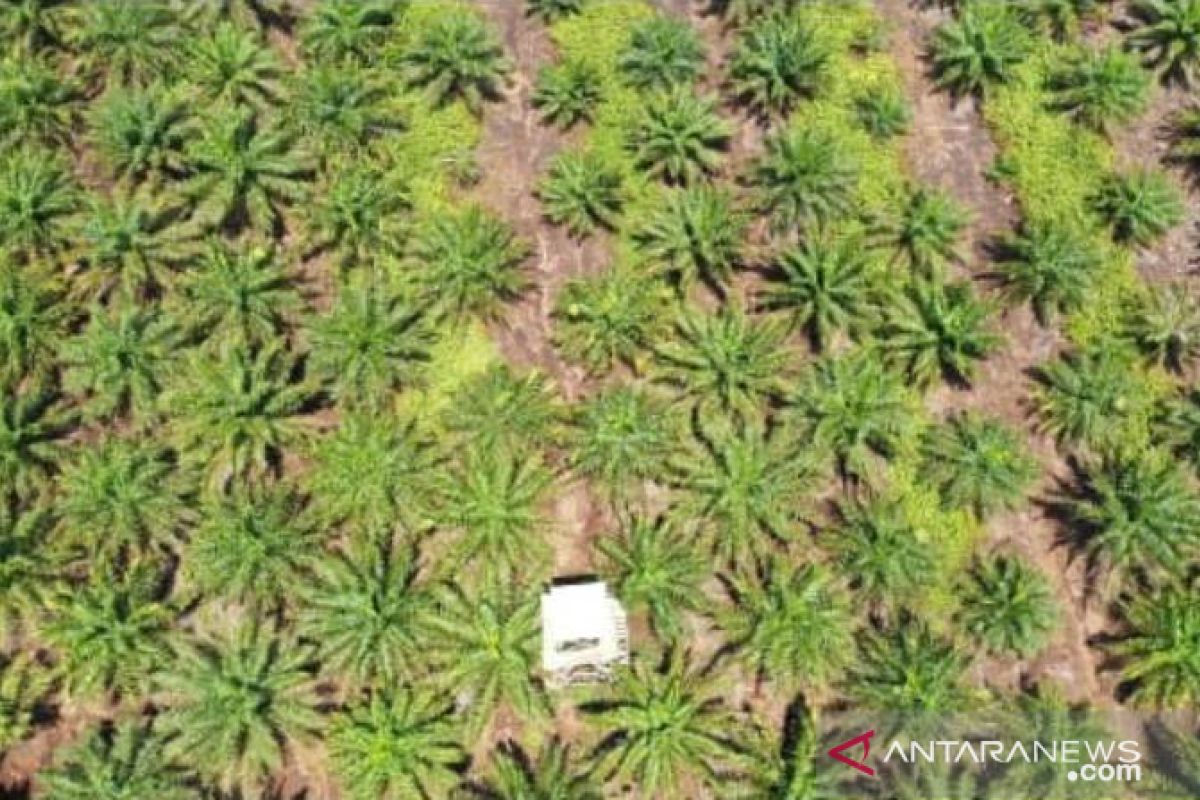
854, 343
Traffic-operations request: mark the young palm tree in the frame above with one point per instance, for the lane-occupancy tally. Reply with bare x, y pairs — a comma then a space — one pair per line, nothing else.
503, 410
33, 318
233, 67
854, 408
663, 727
1139, 208
663, 52
123, 41
1159, 655
132, 245
363, 610
876, 543
398, 743
791, 624
1179, 427
777, 62
697, 235
825, 286
243, 172
550, 775
141, 134
1090, 396
581, 192
235, 412
32, 423
458, 58
1050, 267
1168, 34
655, 570
485, 648
567, 93
349, 30
609, 319
680, 137
981, 47
236, 295
939, 330
254, 547
1008, 607
1133, 513
925, 230
23, 686
978, 463
372, 471
110, 635
342, 108
234, 704
912, 676
1165, 326
742, 487
491, 501
551, 10
883, 113
620, 437
358, 215
26, 574
788, 764
36, 103
124, 761
1062, 19
804, 179
126, 488
471, 261
1101, 88
37, 203
370, 344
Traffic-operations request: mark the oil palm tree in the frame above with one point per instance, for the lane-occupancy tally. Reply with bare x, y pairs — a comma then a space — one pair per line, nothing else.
141, 134
32, 423
1008, 606
978, 463
777, 62
23, 686
458, 58
581, 192
663, 725
1140, 207
1185, 138
1159, 652
234, 704
609, 319
924, 231
656, 570
1177, 767
662, 52
397, 743
1179, 426
256, 15
875, 540
233, 66
358, 216
853, 408
38, 200
340, 108
1062, 19
490, 502
243, 171
26, 573
1168, 35
981, 47
126, 488
484, 648
825, 287
727, 361
697, 235
110, 635
233, 413
30, 25
620, 436
123, 761
939, 330
1132, 513
373, 470
372, 342
787, 764
349, 30
1049, 266
567, 93
550, 774
1090, 396
33, 318
883, 113
741, 487
37, 104
253, 547
791, 624
679, 137
738, 13
500, 409
1165, 326
471, 261
363, 609
804, 179
119, 42
1101, 88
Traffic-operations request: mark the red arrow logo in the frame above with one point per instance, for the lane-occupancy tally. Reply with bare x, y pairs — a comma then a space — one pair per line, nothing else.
865, 740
